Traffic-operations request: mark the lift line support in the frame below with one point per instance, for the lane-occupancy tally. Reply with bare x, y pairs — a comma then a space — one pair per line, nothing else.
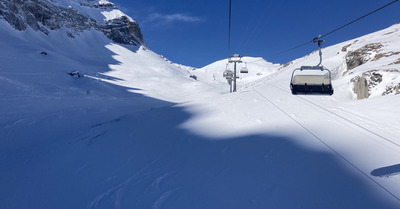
235, 59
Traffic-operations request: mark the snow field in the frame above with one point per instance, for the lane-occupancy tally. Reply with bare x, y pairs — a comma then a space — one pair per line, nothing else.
136, 131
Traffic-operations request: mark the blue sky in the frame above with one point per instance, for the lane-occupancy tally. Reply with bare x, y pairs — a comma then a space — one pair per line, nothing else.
195, 32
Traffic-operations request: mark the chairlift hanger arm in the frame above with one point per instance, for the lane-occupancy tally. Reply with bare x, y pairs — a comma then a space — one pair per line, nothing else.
319, 41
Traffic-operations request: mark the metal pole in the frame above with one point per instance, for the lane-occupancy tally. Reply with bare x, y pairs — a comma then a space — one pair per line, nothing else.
320, 51
234, 78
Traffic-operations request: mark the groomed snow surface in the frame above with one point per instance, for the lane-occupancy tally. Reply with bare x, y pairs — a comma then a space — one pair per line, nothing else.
137, 132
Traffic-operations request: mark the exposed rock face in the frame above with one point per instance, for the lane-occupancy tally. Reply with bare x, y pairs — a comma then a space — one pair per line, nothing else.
362, 55
344, 49
364, 84
387, 54
122, 30
285, 65
45, 16
392, 90
372, 82
397, 62
361, 88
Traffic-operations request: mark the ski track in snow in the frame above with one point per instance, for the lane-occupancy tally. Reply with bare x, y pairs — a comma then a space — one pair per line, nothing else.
319, 138
118, 189
355, 124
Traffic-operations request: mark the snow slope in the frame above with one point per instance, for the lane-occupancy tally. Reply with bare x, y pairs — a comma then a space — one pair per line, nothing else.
90, 8
137, 132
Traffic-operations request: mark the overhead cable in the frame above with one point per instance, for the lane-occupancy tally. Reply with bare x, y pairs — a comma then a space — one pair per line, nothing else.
230, 21
380, 8
333, 31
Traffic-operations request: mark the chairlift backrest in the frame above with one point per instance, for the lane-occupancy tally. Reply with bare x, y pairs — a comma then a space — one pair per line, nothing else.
311, 80
228, 74
244, 70
312, 75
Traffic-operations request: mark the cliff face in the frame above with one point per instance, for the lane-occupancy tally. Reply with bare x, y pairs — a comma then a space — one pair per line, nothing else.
75, 15
366, 83
372, 81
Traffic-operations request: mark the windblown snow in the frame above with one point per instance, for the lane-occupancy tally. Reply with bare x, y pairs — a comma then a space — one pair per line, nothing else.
88, 123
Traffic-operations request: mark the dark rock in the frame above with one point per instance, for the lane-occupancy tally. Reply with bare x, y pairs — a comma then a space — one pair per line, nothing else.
363, 84
376, 77
344, 49
44, 16
75, 74
360, 87
122, 30
362, 55
387, 54
392, 89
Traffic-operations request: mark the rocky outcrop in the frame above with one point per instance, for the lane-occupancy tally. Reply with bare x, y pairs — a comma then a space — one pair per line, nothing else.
96, 4
373, 82
396, 63
122, 30
344, 49
382, 55
361, 55
392, 90
363, 86
364, 83
45, 16
360, 87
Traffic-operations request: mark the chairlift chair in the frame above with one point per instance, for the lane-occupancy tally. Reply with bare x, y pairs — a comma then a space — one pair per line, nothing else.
228, 74
244, 69
312, 80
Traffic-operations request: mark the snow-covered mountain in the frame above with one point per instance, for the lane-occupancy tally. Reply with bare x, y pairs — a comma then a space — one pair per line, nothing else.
364, 67
77, 132
75, 16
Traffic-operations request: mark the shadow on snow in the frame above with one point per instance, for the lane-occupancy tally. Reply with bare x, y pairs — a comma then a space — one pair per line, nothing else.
139, 158
122, 150
386, 171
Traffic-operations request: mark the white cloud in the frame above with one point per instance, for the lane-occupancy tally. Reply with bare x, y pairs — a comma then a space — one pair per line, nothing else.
157, 17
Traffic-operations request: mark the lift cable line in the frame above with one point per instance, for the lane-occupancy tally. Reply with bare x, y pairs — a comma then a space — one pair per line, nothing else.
329, 33
230, 23
360, 18
228, 74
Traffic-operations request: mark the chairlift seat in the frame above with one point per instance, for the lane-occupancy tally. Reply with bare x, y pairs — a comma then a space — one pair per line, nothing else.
228, 74
244, 70
309, 80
